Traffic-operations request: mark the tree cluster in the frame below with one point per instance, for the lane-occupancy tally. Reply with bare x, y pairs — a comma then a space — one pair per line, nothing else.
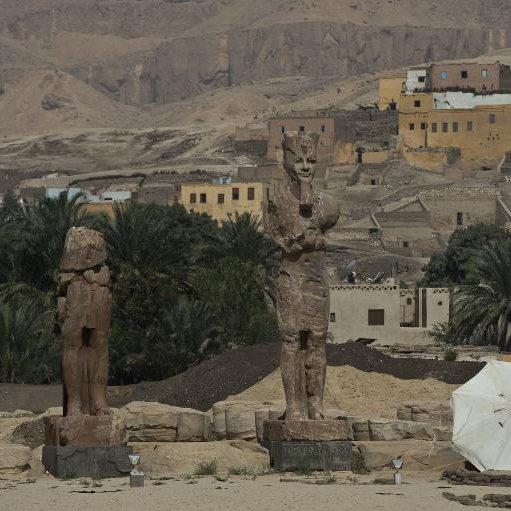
477, 266
184, 287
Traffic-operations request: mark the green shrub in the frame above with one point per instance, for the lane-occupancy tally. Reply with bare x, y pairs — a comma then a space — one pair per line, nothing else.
450, 355
206, 468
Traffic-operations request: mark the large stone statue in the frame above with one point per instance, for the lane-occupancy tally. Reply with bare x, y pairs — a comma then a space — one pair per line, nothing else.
85, 309
298, 219
88, 440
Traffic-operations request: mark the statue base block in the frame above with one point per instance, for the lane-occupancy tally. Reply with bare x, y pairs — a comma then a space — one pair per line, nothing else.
304, 456
84, 431
308, 430
309, 445
97, 462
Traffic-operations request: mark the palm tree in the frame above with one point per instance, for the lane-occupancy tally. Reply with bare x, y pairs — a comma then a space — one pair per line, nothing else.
184, 335
27, 349
482, 311
36, 238
243, 238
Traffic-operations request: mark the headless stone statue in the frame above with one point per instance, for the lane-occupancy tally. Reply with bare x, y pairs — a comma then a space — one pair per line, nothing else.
298, 219
85, 309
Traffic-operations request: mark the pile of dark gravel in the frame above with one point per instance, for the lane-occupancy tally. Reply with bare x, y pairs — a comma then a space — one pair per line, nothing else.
237, 370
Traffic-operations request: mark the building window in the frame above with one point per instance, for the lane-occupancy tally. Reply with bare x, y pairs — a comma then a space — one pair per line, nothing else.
417, 103
423, 126
445, 127
422, 79
283, 130
332, 317
221, 198
235, 194
412, 126
203, 198
493, 118
302, 128
408, 301
459, 219
464, 74
443, 75
484, 73
440, 304
470, 126
373, 181
376, 317
193, 198
323, 128
455, 127
434, 127
251, 193
406, 244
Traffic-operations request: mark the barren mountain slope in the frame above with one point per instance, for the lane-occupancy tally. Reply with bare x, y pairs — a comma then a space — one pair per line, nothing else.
160, 51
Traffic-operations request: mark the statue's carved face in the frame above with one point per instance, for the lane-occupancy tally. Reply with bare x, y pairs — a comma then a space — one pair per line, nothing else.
300, 150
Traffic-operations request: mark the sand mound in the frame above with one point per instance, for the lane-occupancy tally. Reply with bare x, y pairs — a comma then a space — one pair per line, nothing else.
358, 392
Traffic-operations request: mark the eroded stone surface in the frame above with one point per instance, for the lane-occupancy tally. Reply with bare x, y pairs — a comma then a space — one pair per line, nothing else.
418, 455
184, 457
297, 220
14, 458
324, 430
156, 422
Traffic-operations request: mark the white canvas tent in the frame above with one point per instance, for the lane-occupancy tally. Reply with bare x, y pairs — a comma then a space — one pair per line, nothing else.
482, 418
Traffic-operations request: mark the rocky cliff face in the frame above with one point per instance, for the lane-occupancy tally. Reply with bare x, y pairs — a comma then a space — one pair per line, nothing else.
188, 66
198, 45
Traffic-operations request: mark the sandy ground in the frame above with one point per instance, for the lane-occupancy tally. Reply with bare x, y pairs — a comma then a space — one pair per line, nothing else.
366, 394
236, 494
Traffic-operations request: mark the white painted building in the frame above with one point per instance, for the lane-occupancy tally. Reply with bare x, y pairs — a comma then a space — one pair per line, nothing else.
386, 314
416, 80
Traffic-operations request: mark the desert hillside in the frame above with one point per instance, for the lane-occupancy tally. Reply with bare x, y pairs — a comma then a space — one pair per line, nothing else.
142, 52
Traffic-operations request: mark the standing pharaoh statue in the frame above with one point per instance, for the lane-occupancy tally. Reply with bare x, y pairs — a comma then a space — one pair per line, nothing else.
85, 309
298, 219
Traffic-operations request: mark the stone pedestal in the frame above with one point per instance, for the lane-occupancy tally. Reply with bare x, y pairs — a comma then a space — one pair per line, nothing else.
137, 480
309, 445
86, 446
97, 462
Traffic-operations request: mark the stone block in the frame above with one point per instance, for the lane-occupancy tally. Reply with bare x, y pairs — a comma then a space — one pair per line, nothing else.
325, 430
98, 462
261, 416
137, 480
240, 422
84, 431
437, 413
390, 430
193, 426
418, 455
184, 457
156, 422
14, 458
323, 455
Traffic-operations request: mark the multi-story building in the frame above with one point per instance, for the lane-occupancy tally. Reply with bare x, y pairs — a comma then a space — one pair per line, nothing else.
478, 125
223, 201
479, 77
390, 89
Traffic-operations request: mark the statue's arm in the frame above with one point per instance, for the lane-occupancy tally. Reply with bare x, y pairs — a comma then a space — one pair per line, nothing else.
290, 242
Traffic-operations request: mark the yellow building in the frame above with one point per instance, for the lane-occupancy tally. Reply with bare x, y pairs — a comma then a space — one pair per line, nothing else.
481, 132
391, 88
222, 201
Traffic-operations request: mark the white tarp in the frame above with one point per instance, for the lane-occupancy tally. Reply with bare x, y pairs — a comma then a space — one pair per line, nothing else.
482, 418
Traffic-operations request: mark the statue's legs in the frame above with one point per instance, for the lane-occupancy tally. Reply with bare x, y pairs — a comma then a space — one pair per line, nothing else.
97, 366
73, 370
315, 374
293, 377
